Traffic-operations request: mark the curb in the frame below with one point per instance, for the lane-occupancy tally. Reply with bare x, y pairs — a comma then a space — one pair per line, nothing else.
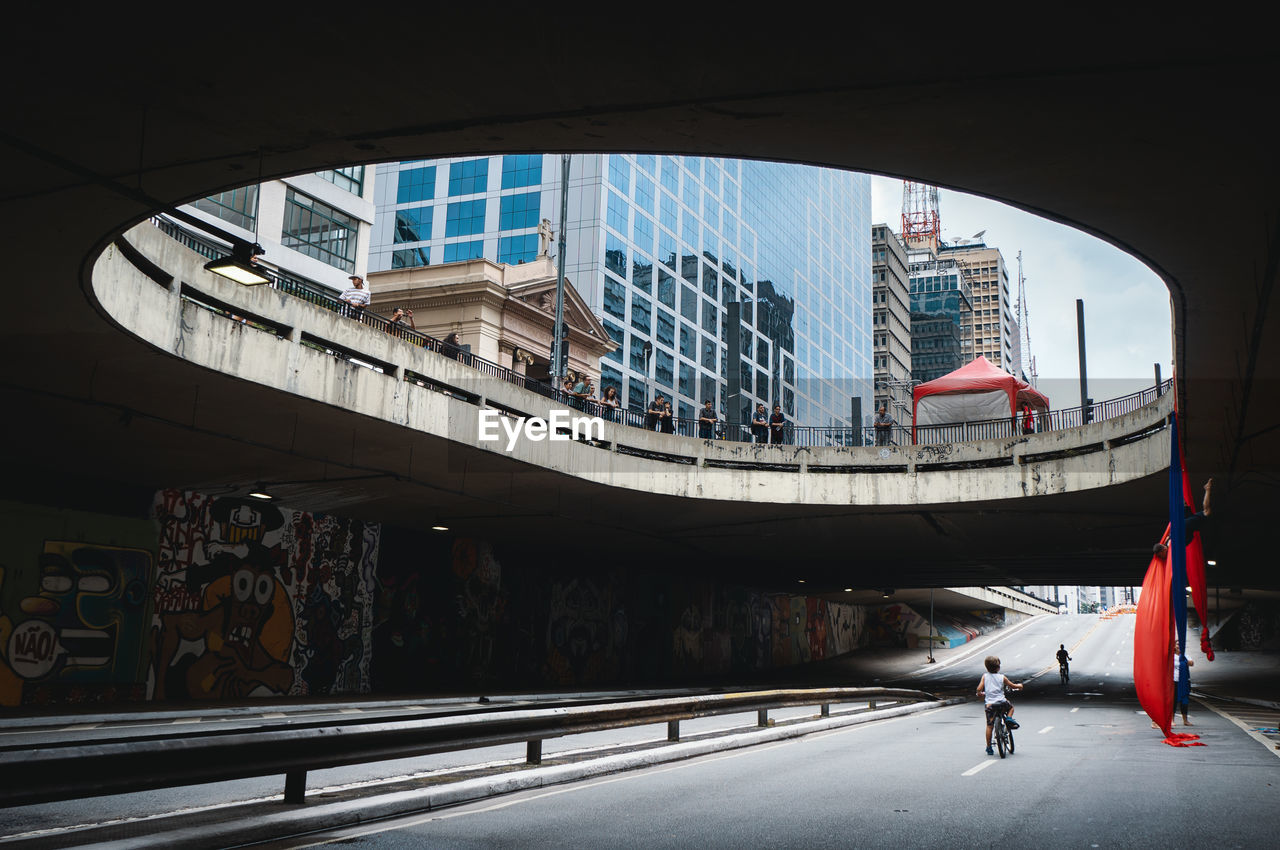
296, 820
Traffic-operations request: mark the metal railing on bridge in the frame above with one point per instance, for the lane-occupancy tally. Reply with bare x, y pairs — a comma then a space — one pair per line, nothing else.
637, 417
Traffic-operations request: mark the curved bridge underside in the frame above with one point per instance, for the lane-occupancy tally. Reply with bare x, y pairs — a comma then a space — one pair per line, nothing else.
1154, 145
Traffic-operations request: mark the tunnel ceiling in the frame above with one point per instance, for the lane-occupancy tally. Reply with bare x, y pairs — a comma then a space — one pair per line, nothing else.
1147, 136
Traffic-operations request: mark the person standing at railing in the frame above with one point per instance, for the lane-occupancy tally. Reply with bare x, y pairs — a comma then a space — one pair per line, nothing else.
400, 319
609, 402
777, 426
653, 417
581, 391
667, 424
707, 421
354, 298
1028, 419
884, 426
760, 425
451, 347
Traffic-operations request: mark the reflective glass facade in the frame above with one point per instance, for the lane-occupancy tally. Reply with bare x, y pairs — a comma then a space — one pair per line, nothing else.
659, 246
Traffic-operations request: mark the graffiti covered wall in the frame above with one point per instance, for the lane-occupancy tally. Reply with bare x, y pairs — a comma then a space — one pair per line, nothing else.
74, 605
251, 599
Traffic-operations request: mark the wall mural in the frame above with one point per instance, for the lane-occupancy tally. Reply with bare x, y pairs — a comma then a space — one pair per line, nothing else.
78, 629
256, 600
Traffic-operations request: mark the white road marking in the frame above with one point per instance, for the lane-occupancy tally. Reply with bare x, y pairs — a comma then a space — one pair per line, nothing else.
1019, 655
274, 715
983, 766
351, 711
186, 720
1044, 730
83, 727
1074, 710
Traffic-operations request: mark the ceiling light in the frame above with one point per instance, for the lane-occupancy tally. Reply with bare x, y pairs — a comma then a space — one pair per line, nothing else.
848, 590
800, 580
240, 265
259, 494
439, 528
1212, 563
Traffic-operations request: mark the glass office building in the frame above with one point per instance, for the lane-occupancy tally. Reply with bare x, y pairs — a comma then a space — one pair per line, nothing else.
660, 246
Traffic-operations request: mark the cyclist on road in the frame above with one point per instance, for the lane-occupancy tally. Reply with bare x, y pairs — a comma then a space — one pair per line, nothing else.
1063, 658
992, 686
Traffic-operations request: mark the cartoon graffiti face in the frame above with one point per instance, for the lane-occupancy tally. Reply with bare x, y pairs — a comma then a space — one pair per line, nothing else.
248, 608
90, 600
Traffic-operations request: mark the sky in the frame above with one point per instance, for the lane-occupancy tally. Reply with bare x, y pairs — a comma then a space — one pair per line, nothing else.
1126, 306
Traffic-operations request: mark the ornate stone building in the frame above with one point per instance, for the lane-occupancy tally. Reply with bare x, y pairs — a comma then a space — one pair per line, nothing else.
502, 313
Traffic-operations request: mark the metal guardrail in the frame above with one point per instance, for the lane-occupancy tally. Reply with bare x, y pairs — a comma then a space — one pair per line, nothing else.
57, 771
791, 434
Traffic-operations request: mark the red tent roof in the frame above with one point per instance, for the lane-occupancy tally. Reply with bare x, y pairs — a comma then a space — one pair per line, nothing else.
979, 376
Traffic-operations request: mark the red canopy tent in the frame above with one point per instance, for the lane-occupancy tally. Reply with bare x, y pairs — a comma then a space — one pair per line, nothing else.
973, 393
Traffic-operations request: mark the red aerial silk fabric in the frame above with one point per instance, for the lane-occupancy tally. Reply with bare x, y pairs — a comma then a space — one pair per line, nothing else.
1153, 646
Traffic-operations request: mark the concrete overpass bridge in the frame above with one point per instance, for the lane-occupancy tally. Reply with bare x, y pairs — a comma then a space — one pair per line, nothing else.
415, 457
1127, 140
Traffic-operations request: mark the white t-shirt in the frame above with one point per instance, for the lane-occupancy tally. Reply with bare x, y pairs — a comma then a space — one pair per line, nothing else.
355, 296
1177, 666
993, 687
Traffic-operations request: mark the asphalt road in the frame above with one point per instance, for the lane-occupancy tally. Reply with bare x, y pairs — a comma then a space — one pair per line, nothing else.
1088, 772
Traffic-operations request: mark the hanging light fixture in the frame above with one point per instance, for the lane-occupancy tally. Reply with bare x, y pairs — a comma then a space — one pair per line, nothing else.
241, 265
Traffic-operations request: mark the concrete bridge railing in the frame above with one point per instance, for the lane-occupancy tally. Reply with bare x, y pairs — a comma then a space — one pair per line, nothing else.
157, 289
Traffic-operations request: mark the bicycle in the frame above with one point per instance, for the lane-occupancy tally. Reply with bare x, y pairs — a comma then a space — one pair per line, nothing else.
1002, 734
1062, 671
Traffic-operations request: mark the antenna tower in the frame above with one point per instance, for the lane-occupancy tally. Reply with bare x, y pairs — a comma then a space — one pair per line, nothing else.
1028, 364
920, 219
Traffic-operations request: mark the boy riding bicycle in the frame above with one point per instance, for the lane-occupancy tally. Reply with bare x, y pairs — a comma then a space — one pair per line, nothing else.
1063, 658
992, 686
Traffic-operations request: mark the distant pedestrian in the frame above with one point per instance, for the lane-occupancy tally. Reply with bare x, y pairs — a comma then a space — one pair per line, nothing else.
653, 418
884, 426
354, 298
1028, 419
451, 347
667, 424
760, 425
707, 421
1181, 683
609, 402
401, 319
777, 426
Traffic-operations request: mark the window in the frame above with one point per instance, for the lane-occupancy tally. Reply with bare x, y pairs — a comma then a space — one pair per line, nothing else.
616, 217
517, 249
413, 225
688, 343
710, 316
709, 353
664, 370
416, 184
610, 377
710, 281
615, 255
350, 178
687, 380
666, 329
517, 212
409, 258
666, 288
644, 193
521, 170
642, 233
642, 273
640, 314
615, 298
638, 363
238, 206
456, 252
616, 334
468, 178
620, 173
464, 218
689, 303
319, 231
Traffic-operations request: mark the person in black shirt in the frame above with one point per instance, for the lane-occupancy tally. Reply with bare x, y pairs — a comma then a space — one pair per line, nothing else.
1063, 658
653, 418
777, 423
760, 425
707, 421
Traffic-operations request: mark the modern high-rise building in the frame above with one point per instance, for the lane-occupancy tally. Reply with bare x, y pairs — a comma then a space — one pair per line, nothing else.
940, 291
659, 246
891, 322
995, 333
314, 227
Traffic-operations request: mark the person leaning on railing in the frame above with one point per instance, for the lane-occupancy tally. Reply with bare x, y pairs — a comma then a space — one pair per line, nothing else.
609, 403
777, 425
354, 298
884, 426
401, 319
667, 422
